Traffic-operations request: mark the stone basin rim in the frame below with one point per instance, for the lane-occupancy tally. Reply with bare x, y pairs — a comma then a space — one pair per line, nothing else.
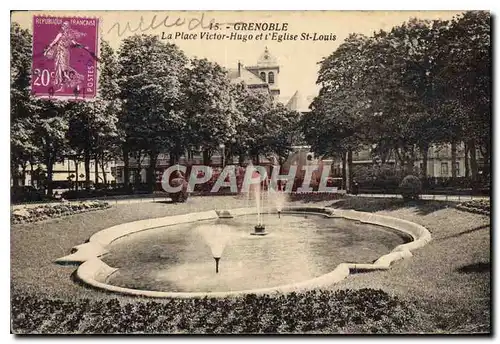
94, 272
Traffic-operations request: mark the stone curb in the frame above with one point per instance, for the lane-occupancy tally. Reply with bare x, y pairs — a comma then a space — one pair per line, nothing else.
94, 272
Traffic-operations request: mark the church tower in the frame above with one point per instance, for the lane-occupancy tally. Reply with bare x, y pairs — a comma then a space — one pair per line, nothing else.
267, 69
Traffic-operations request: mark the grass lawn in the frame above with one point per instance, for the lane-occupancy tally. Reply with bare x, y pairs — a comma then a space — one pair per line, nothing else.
447, 281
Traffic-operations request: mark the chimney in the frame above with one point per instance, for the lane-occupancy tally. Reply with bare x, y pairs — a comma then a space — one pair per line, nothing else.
239, 69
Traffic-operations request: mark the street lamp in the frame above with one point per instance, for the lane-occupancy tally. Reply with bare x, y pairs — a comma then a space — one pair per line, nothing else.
223, 146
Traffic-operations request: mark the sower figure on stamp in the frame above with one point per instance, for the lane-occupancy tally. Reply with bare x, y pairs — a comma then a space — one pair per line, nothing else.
59, 50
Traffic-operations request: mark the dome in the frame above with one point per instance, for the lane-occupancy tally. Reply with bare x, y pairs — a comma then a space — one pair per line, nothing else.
266, 59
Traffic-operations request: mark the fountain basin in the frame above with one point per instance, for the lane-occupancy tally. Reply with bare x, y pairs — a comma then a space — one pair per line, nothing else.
96, 272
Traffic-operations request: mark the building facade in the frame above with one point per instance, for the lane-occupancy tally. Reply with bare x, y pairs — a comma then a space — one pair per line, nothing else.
66, 173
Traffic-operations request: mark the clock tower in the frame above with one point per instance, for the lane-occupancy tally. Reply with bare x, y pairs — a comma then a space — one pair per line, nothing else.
267, 69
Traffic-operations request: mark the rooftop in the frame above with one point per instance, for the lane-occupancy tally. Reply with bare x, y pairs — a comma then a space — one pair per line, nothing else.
298, 103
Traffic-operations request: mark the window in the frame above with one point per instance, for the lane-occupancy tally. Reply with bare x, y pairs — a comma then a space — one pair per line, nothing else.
457, 168
263, 76
271, 77
444, 169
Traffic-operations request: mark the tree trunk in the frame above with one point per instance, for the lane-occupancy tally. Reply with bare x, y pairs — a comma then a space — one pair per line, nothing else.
228, 158
453, 160
349, 172
31, 173
103, 170
126, 168
466, 160
23, 173
14, 173
408, 161
425, 158
50, 167
487, 160
171, 158
151, 177
241, 159
206, 157
473, 164
137, 176
76, 175
257, 159
87, 169
398, 159
174, 156
344, 171
96, 170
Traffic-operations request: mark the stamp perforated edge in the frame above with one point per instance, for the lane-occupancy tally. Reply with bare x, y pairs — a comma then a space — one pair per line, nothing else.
99, 33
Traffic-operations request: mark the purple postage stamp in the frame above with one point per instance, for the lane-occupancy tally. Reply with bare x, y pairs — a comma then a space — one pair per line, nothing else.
65, 57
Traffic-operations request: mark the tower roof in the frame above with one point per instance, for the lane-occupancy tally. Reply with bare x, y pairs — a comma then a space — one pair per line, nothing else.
266, 59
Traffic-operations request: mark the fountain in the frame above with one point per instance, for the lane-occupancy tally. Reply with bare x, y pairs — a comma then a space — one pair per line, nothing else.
278, 197
216, 237
171, 256
260, 228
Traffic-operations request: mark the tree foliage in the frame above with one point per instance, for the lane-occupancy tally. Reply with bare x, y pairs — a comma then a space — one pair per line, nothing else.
150, 83
398, 92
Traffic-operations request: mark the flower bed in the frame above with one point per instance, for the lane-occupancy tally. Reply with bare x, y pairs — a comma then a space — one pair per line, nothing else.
44, 212
476, 206
364, 310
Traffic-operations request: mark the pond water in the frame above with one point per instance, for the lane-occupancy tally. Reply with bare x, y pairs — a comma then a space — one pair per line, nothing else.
179, 258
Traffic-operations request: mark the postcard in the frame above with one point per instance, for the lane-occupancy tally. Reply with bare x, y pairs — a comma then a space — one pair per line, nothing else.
250, 172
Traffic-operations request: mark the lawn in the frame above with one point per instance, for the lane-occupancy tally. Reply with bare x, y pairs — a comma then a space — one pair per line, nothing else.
445, 286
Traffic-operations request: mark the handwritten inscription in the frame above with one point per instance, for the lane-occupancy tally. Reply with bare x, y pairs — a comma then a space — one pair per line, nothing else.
167, 22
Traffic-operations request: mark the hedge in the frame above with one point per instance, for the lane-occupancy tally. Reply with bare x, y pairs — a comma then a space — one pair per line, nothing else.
364, 310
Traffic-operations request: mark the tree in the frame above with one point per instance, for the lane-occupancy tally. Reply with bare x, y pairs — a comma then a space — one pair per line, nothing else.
337, 124
150, 83
109, 138
210, 109
467, 78
264, 126
283, 131
49, 134
92, 127
23, 107
419, 84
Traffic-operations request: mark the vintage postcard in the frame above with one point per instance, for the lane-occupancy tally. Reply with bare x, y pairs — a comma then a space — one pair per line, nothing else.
250, 172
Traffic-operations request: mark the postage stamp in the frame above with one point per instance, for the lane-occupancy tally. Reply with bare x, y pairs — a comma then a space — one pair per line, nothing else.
65, 57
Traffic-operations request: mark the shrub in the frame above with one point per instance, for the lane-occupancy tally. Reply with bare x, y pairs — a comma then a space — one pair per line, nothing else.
181, 196
410, 188
385, 177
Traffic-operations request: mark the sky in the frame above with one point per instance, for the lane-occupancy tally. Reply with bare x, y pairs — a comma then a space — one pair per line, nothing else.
298, 60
